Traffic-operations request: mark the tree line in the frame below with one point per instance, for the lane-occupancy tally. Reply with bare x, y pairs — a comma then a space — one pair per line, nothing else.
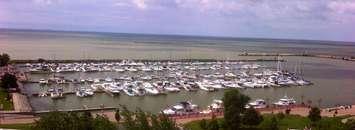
4, 59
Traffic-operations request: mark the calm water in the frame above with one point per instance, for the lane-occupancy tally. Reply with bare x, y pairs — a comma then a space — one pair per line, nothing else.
334, 80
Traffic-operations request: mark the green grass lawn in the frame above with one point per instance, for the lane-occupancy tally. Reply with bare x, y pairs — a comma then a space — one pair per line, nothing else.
16, 126
289, 121
7, 104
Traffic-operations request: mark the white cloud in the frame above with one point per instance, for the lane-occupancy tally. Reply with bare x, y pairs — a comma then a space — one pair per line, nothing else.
121, 4
342, 6
45, 2
141, 4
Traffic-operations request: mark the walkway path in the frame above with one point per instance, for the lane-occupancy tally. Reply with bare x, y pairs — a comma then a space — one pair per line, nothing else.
21, 103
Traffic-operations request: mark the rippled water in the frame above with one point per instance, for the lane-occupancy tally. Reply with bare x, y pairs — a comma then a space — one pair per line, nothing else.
334, 80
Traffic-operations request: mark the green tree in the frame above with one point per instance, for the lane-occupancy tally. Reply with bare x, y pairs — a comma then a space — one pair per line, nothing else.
252, 117
203, 124
9, 81
213, 124
117, 115
128, 121
350, 124
142, 120
139, 120
234, 105
280, 115
4, 59
103, 123
86, 120
273, 124
166, 123
72, 121
314, 114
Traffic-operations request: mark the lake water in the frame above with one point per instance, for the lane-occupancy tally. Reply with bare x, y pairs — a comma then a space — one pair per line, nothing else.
334, 80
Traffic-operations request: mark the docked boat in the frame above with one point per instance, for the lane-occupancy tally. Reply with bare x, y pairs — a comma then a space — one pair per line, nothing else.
184, 107
128, 89
150, 89
258, 103
43, 81
285, 101
204, 86
215, 106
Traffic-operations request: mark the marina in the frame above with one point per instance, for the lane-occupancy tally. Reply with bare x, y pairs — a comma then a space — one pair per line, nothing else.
155, 78
90, 80
72, 64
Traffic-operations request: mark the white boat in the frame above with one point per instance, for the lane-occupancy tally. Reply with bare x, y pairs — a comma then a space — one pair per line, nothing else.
231, 84
285, 101
150, 89
170, 88
113, 88
139, 91
96, 86
302, 82
258, 103
205, 87
181, 108
188, 87
128, 89
43, 81
216, 104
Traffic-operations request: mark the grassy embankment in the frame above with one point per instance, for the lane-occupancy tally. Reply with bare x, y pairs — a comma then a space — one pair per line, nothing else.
16, 126
6, 103
289, 121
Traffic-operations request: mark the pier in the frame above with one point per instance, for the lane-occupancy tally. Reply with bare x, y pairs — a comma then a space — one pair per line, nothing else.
346, 58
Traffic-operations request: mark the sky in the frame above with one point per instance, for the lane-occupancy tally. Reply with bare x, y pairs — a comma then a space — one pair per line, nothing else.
290, 19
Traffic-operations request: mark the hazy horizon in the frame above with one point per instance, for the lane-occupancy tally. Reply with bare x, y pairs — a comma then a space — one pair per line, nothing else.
328, 20
318, 41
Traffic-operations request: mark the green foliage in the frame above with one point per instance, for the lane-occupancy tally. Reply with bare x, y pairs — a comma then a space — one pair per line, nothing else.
5, 100
213, 124
314, 114
289, 121
72, 121
280, 115
270, 124
117, 115
139, 120
203, 124
330, 124
252, 117
103, 123
4, 59
350, 124
9, 81
234, 103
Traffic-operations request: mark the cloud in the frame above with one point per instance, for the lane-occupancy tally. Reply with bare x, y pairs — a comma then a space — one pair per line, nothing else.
45, 2
141, 4
222, 17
